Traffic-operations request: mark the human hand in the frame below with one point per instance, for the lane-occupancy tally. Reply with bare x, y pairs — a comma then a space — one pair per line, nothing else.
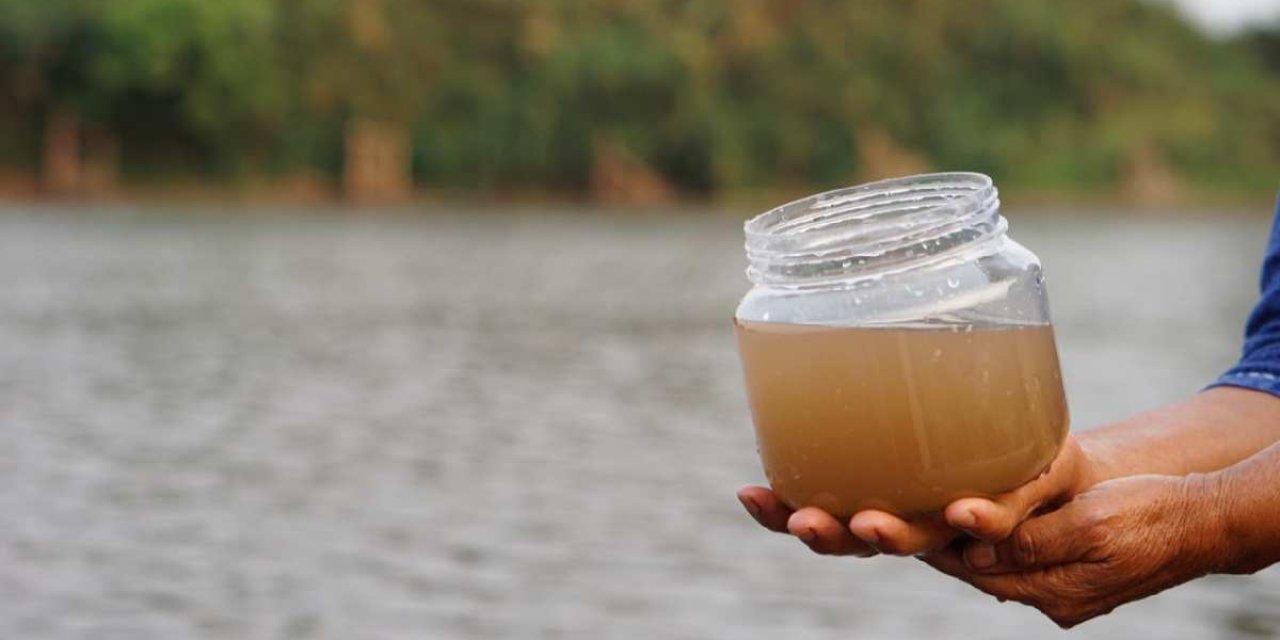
872, 531
1120, 541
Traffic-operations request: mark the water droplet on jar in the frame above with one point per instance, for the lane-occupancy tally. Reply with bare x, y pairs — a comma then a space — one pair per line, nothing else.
953, 283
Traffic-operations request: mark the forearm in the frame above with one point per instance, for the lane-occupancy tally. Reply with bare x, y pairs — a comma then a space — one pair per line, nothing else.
1244, 500
1213, 430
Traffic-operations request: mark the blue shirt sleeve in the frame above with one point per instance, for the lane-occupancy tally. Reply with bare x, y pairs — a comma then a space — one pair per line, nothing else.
1259, 365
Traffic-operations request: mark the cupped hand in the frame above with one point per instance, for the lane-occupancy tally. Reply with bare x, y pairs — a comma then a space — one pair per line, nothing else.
1120, 541
819, 530
870, 532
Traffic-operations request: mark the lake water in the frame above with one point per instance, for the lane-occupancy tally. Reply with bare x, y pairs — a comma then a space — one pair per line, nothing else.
492, 426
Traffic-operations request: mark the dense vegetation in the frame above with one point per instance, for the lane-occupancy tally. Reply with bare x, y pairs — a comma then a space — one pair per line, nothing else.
709, 96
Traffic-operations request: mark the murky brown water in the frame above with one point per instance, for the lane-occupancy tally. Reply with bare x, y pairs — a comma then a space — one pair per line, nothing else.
490, 427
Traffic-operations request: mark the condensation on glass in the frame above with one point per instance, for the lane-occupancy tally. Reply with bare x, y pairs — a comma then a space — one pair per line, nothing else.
897, 347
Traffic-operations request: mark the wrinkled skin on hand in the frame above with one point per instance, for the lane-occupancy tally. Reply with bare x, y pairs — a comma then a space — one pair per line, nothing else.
1121, 541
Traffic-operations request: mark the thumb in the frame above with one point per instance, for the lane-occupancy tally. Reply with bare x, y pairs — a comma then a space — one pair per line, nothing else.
994, 519
1058, 537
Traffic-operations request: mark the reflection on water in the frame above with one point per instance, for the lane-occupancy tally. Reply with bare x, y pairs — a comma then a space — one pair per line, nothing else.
485, 426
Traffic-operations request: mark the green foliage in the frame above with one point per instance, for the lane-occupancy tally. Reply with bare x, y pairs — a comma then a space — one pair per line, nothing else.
714, 95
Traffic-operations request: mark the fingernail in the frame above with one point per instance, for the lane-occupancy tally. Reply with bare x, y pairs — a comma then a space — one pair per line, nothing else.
751, 506
966, 519
980, 556
808, 535
872, 537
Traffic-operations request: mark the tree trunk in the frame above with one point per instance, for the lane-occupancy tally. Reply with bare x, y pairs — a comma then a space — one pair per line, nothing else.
101, 162
61, 165
881, 157
619, 178
377, 165
1147, 180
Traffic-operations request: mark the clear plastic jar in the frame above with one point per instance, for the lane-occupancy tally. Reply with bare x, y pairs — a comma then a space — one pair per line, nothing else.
897, 347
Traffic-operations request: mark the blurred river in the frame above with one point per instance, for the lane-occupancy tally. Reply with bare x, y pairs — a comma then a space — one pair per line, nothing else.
488, 426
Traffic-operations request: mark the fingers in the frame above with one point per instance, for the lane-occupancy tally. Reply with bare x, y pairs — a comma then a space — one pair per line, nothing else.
824, 534
814, 527
765, 507
1055, 591
1058, 537
993, 520
949, 561
1013, 586
890, 534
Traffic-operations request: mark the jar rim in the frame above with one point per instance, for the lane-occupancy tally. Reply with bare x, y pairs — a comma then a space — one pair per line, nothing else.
980, 182
871, 228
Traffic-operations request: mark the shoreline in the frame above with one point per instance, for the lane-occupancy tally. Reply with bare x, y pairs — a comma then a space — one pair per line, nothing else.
257, 194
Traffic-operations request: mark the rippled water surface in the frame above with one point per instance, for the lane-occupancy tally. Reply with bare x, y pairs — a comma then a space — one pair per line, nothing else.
491, 426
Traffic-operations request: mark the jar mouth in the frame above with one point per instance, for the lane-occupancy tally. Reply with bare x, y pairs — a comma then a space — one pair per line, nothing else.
872, 229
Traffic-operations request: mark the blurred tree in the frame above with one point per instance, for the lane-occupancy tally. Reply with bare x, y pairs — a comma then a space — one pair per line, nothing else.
367, 65
1264, 41
163, 72
45, 55
205, 73
636, 100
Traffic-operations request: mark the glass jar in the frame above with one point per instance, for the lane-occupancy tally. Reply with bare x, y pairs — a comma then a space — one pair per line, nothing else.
897, 348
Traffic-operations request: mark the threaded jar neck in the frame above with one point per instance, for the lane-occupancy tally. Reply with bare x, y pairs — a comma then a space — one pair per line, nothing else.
872, 229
